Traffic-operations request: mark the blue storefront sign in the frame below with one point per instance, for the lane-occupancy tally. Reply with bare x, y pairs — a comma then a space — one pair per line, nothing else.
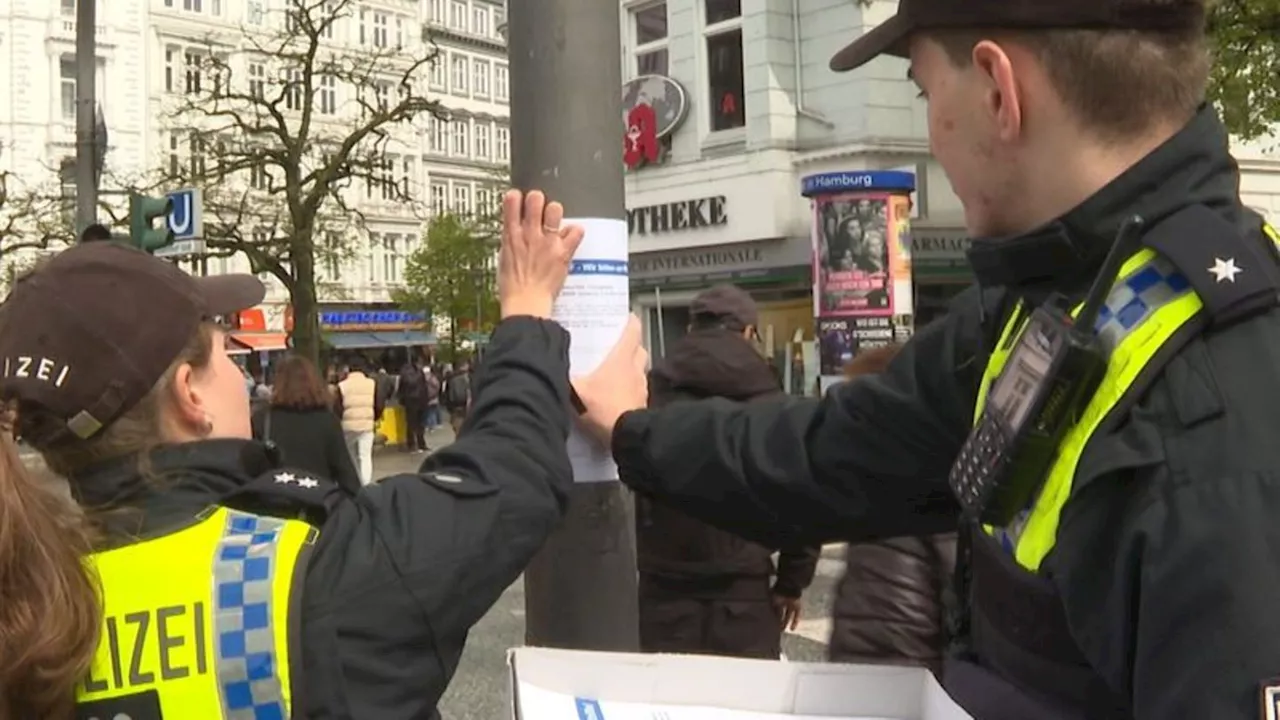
367, 320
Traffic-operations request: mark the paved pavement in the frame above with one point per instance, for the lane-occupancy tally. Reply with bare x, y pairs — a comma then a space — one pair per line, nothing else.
479, 690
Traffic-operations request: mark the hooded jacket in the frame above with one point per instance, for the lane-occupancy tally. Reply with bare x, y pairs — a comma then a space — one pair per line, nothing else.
675, 548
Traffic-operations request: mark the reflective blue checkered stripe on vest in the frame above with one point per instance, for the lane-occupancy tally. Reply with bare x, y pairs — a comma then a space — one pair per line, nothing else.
1133, 300
245, 641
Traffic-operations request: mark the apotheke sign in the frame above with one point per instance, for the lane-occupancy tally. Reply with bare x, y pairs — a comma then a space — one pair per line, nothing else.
676, 216
938, 246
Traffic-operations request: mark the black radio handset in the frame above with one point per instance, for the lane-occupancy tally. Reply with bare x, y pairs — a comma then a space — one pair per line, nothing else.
1051, 375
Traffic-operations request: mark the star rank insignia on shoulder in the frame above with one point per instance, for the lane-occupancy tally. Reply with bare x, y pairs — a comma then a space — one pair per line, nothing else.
289, 492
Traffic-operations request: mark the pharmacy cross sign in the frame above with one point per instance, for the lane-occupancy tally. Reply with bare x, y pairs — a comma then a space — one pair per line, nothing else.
653, 106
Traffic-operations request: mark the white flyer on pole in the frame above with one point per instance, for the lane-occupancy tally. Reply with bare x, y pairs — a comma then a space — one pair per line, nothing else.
594, 306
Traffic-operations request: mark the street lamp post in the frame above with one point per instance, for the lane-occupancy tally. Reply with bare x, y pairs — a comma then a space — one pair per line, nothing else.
580, 591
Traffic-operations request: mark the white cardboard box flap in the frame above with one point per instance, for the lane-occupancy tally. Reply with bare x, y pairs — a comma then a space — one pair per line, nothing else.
568, 685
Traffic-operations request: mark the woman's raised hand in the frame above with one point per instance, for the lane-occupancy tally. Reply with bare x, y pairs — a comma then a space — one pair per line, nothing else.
536, 252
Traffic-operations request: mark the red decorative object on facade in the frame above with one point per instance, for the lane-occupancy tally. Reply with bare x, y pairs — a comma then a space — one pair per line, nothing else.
640, 144
728, 105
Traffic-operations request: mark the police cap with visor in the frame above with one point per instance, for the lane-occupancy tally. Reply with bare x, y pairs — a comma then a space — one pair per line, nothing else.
88, 334
891, 36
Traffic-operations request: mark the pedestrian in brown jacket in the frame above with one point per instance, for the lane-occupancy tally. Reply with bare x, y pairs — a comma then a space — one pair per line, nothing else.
890, 608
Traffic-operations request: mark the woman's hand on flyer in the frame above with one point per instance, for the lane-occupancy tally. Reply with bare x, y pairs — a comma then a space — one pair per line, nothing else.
536, 252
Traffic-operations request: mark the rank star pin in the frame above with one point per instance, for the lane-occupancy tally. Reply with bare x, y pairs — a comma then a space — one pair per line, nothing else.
285, 478
1225, 270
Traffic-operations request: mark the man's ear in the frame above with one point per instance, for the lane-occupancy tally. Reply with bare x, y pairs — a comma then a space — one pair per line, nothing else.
1002, 100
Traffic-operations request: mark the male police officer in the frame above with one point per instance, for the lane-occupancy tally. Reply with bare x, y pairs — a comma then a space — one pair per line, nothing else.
1140, 578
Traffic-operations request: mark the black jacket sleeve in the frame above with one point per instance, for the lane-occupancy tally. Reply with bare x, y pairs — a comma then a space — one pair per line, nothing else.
402, 572
868, 460
796, 567
1208, 639
342, 469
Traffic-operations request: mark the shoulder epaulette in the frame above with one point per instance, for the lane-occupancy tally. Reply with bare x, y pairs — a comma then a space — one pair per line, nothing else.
288, 492
1234, 274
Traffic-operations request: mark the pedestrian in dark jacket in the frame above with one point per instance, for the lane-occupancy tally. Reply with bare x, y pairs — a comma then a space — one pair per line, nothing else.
412, 390
703, 590
889, 607
300, 423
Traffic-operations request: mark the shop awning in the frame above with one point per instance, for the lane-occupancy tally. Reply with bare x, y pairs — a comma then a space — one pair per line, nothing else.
374, 340
406, 338
353, 340
262, 342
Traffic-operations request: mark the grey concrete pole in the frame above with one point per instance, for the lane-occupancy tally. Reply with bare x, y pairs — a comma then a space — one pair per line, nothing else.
86, 102
566, 112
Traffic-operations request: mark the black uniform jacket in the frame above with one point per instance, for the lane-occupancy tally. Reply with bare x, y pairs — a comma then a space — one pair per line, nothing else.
400, 573
1168, 552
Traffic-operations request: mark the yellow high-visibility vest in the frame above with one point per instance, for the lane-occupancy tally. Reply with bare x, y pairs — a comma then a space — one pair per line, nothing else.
196, 622
1149, 302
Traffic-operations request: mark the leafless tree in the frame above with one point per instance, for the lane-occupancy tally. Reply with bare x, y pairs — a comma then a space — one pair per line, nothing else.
280, 122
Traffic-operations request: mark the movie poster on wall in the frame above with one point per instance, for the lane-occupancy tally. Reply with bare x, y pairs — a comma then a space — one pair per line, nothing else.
852, 255
841, 338
900, 260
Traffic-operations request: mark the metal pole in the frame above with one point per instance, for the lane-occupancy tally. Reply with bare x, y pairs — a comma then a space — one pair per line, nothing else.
580, 591
86, 102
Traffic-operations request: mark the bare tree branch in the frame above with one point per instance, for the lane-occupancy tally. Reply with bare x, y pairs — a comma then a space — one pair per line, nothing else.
280, 124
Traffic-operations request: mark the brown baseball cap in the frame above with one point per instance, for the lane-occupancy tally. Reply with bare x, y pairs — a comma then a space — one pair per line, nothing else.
728, 304
891, 36
90, 332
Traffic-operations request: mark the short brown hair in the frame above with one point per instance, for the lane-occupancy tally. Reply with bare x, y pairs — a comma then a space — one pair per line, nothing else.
1116, 82
298, 386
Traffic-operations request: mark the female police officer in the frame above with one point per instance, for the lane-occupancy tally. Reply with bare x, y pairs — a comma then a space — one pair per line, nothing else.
216, 599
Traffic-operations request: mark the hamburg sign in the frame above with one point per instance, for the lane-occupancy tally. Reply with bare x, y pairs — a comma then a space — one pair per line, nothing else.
653, 106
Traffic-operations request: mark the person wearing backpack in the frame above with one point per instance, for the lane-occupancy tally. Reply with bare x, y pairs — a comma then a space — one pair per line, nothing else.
457, 396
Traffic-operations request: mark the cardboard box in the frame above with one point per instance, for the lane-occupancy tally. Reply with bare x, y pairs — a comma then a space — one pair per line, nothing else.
570, 685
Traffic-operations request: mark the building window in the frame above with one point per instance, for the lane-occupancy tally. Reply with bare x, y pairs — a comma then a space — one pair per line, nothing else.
461, 138
364, 30
438, 135
480, 20
331, 9
292, 80
391, 258
255, 13
387, 179
439, 197
406, 175
462, 199
170, 71
649, 39
399, 32
175, 158
191, 5
499, 19
480, 77
259, 177
191, 69
485, 205
330, 257
380, 30
482, 141
502, 144
198, 147
375, 249
69, 7
501, 83
382, 91
458, 15
459, 64
439, 78
328, 94
67, 82
258, 80
438, 11
723, 33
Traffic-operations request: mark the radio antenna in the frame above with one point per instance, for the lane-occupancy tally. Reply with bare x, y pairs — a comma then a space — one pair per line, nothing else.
1129, 231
